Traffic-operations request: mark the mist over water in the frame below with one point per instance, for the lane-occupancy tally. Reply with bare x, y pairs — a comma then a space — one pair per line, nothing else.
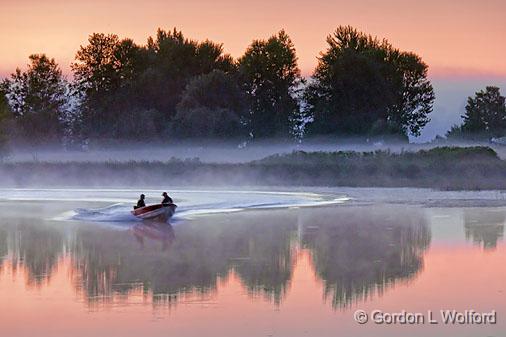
209, 152
217, 152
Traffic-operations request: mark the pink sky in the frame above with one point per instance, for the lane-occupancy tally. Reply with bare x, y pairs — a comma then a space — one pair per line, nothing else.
453, 36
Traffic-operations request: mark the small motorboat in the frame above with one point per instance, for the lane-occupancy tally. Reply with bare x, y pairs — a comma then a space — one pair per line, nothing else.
159, 212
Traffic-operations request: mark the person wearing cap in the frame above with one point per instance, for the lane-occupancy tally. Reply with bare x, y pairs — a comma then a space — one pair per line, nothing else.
166, 199
140, 202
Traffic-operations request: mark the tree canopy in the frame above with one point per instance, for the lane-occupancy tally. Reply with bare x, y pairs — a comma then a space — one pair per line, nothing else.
5, 110
485, 116
175, 87
104, 72
38, 99
212, 105
172, 61
5, 114
125, 86
270, 76
363, 85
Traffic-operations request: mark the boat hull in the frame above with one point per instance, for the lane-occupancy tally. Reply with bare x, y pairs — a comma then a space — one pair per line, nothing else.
155, 212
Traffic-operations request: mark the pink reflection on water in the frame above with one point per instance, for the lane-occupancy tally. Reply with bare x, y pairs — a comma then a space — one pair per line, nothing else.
454, 277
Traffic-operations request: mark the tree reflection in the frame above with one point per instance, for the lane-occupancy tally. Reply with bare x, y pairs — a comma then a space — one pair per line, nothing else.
484, 227
356, 251
360, 251
33, 247
106, 263
267, 254
4, 248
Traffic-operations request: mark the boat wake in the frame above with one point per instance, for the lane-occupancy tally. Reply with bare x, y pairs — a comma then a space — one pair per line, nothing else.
114, 205
113, 213
200, 203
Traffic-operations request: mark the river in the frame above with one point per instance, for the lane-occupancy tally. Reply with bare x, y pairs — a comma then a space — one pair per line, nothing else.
74, 262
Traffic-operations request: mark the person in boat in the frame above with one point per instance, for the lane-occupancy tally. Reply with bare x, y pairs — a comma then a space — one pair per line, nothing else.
166, 199
140, 202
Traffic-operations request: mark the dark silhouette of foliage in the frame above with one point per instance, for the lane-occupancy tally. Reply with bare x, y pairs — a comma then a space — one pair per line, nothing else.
178, 87
104, 73
269, 74
363, 85
130, 90
105, 64
485, 113
485, 116
172, 61
38, 99
212, 105
455, 132
5, 114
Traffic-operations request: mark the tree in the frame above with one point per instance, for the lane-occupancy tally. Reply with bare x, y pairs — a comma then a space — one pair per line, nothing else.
38, 99
363, 86
485, 113
212, 105
270, 76
173, 61
104, 73
105, 64
5, 114
455, 132
124, 85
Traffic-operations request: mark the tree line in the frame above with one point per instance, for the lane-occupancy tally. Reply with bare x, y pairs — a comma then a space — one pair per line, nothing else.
174, 87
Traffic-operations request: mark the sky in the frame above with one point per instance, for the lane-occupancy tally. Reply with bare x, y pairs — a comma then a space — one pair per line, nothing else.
462, 41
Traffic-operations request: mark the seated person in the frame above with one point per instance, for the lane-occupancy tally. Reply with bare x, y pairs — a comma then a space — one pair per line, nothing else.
140, 202
166, 199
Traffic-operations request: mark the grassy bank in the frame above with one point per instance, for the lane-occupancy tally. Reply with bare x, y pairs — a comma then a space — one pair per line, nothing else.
443, 168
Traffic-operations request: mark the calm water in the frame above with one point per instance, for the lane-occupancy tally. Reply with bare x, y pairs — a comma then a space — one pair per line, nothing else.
73, 263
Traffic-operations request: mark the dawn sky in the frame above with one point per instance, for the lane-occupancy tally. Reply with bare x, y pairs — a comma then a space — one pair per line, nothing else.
458, 39
452, 36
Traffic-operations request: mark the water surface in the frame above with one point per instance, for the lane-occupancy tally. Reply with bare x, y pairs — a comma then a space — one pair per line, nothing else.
74, 263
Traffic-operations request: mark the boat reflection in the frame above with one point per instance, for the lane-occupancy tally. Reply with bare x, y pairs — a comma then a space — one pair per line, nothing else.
154, 230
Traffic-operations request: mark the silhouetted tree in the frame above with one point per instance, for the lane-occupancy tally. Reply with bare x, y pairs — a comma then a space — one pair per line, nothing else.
363, 85
104, 72
38, 99
270, 76
5, 114
212, 105
129, 90
172, 61
485, 113
455, 132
